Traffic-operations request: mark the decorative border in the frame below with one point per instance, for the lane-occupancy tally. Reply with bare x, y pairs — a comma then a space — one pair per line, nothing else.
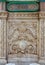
23, 15
2, 0
22, 0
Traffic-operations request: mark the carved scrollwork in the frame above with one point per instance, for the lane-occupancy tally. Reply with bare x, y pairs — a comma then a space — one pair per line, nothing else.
23, 38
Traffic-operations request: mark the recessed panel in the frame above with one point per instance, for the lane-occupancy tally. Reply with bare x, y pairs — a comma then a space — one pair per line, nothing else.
23, 6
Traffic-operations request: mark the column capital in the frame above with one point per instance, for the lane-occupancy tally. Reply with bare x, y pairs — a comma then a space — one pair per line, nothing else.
42, 15
3, 15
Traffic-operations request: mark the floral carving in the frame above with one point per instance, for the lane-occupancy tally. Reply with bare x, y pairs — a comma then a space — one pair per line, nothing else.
22, 37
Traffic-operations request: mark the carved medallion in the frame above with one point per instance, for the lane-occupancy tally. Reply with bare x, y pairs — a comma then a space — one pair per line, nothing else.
22, 6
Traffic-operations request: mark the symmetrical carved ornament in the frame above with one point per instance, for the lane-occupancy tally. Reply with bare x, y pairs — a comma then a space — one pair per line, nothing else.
22, 37
23, 6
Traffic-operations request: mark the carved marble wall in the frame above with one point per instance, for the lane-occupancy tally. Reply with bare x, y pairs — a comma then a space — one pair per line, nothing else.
22, 37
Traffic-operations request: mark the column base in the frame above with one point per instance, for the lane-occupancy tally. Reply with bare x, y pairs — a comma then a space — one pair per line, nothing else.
42, 60
3, 61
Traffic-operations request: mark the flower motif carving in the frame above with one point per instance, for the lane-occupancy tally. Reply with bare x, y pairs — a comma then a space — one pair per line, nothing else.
23, 37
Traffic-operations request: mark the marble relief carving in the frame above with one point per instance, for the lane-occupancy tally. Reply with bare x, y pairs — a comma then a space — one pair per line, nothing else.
22, 37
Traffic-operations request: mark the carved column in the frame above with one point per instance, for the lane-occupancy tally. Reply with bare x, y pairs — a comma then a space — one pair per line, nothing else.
3, 16
42, 37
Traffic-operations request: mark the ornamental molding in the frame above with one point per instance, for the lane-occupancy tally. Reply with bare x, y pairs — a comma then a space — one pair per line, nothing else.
41, 15
3, 15
21, 0
27, 15
22, 15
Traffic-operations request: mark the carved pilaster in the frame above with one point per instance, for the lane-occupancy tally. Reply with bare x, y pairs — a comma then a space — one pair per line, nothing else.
3, 16
42, 37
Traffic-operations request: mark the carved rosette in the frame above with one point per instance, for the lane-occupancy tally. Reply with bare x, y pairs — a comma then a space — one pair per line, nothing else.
22, 37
